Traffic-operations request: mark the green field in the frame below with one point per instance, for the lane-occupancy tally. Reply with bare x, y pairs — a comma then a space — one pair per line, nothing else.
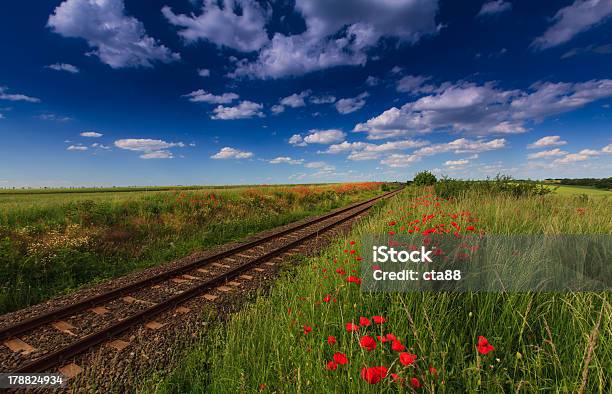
577, 190
52, 242
542, 342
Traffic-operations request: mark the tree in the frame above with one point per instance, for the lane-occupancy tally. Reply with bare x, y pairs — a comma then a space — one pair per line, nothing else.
424, 178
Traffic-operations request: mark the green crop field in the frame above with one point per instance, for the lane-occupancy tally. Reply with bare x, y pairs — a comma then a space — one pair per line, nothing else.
317, 332
52, 242
577, 190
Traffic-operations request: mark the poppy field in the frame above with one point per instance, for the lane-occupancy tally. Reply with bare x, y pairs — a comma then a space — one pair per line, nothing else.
316, 331
52, 242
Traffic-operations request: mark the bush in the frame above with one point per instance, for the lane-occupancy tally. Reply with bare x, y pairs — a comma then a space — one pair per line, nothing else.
501, 184
424, 178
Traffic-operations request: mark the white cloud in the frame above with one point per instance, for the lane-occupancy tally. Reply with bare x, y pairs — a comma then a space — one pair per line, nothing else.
297, 140
339, 34
607, 149
152, 149
397, 160
484, 109
295, 100
320, 165
367, 151
161, 154
551, 140
231, 153
494, 7
53, 117
583, 155
77, 148
91, 134
546, 153
348, 105
202, 96
414, 84
277, 109
64, 67
456, 163
100, 146
573, 19
204, 72
286, 160
244, 110
223, 26
372, 81
323, 99
462, 145
16, 96
118, 40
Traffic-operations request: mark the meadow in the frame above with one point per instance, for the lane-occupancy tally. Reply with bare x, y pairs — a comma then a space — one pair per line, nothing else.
315, 331
53, 241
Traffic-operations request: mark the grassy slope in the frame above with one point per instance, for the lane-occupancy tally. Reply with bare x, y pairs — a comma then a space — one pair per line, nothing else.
543, 342
50, 245
588, 190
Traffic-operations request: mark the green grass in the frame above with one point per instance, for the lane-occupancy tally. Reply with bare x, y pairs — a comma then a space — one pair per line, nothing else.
577, 190
544, 342
51, 244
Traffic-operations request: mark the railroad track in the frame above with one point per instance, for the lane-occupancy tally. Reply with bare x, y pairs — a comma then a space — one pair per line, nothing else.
140, 301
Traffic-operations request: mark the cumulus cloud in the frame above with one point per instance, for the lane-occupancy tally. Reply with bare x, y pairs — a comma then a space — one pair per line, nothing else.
397, 160
414, 84
295, 100
607, 149
64, 67
204, 72
348, 105
372, 80
91, 134
368, 151
320, 165
16, 96
583, 155
244, 110
285, 160
323, 99
494, 7
202, 96
338, 33
221, 24
316, 136
462, 145
277, 109
456, 163
150, 148
484, 109
53, 117
117, 39
231, 153
551, 140
77, 148
573, 19
546, 153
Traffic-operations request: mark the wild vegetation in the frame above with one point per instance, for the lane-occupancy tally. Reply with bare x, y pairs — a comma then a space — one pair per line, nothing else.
53, 243
317, 332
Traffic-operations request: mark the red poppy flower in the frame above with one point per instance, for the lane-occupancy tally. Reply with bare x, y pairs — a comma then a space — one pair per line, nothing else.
307, 329
350, 327
331, 340
433, 371
407, 358
364, 322
396, 378
327, 298
392, 223
484, 346
340, 358
414, 382
379, 319
381, 339
340, 271
332, 366
391, 337
470, 228
373, 375
367, 342
397, 346
352, 242
354, 279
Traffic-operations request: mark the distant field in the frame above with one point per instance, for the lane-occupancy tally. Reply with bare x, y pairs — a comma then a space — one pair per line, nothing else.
588, 190
53, 242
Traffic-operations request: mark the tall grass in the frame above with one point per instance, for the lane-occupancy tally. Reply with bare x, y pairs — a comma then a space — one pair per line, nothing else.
51, 248
544, 342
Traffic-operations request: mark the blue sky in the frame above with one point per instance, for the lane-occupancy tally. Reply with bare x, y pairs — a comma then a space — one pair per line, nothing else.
125, 92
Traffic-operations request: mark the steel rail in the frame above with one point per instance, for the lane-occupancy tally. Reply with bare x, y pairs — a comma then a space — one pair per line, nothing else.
61, 355
90, 302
